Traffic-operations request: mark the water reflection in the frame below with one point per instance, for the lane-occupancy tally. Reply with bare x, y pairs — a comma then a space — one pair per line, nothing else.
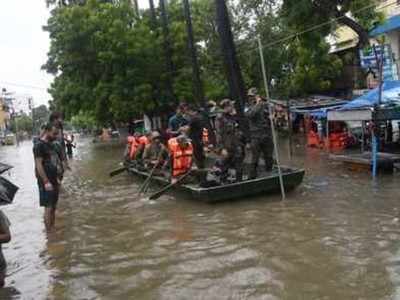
336, 237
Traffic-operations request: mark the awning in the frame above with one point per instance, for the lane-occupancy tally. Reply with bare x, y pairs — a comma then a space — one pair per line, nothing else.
390, 24
350, 115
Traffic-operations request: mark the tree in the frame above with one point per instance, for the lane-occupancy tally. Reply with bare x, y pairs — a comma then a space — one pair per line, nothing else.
22, 123
40, 116
104, 60
359, 15
83, 121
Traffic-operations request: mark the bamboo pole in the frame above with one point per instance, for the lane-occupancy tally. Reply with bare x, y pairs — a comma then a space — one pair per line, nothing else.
274, 140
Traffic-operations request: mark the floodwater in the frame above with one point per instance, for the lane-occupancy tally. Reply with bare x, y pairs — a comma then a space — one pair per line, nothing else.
335, 237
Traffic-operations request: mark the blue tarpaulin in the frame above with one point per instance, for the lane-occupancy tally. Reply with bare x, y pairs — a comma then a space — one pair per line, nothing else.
390, 94
390, 24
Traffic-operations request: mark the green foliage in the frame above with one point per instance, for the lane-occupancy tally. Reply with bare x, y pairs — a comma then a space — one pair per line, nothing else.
40, 115
302, 64
109, 64
22, 123
83, 121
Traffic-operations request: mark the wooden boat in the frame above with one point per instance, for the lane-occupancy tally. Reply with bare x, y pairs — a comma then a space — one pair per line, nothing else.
267, 184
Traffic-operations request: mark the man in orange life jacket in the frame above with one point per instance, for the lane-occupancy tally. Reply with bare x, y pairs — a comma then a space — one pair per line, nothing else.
136, 145
181, 156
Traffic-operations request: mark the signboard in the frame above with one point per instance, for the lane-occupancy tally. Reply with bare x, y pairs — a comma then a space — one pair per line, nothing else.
368, 61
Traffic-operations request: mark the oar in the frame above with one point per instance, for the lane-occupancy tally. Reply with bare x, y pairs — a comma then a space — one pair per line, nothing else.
168, 187
118, 171
147, 181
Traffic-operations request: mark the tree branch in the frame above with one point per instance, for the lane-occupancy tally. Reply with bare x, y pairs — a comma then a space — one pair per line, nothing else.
361, 32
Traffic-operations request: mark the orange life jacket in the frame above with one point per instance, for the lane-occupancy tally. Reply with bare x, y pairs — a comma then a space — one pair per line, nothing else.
181, 158
143, 140
205, 136
133, 144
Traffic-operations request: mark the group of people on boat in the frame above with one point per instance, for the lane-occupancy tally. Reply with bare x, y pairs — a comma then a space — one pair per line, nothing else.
192, 133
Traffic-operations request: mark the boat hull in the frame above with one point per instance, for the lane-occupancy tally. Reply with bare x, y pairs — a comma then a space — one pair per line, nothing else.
266, 185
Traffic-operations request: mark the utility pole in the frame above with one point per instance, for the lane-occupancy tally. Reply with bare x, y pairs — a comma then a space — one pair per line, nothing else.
31, 108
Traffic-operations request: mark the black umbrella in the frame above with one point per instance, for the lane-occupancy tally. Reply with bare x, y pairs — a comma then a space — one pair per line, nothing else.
7, 191
4, 168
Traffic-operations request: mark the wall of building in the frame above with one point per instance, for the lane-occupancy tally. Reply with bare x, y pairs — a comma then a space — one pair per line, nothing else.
4, 117
389, 8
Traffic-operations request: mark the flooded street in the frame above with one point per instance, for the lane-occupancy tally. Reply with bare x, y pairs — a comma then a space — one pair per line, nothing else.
336, 237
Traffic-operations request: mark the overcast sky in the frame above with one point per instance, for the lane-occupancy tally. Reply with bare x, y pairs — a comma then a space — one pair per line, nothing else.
24, 47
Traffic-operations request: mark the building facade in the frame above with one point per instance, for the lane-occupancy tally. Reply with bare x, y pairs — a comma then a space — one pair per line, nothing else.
344, 43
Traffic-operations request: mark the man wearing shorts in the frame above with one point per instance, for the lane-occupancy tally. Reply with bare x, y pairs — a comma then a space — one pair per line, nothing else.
49, 171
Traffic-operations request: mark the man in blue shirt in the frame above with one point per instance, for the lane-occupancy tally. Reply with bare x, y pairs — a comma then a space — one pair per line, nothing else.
177, 121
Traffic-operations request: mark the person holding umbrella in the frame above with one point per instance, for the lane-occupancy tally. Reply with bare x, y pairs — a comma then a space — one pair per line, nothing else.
5, 237
7, 193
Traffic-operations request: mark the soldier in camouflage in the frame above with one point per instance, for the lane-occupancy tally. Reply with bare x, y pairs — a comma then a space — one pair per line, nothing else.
231, 140
260, 132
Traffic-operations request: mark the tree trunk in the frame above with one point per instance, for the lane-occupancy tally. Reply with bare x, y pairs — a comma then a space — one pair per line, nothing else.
153, 16
235, 79
168, 53
198, 92
197, 84
361, 32
236, 85
136, 6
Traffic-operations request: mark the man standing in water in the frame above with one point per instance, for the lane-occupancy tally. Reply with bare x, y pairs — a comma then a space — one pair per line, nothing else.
48, 167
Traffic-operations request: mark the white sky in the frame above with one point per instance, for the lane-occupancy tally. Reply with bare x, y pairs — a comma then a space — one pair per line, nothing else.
24, 47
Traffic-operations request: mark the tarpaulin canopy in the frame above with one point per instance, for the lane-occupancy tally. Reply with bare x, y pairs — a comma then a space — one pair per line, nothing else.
390, 24
361, 108
390, 94
319, 113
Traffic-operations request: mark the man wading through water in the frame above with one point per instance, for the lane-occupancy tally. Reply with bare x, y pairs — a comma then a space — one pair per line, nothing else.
49, 172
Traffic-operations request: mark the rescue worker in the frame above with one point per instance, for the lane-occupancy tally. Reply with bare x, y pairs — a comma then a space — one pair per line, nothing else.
144, 140
132, 146
136, 145
155, 153
177, 121
181, 156
260, 132
232, 141
195, 126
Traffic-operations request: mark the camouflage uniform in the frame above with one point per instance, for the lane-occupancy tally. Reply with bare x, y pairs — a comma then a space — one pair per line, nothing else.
260, 136
232, 139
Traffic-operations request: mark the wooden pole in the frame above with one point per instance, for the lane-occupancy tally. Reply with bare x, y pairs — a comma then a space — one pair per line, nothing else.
362, 136
274, 139
290, 129
375, 133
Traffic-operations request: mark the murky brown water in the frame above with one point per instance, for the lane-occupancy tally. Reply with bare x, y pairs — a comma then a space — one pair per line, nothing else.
336, 237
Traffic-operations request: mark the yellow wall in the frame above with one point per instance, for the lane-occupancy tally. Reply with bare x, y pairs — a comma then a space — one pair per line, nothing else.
4, 116
389, 8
